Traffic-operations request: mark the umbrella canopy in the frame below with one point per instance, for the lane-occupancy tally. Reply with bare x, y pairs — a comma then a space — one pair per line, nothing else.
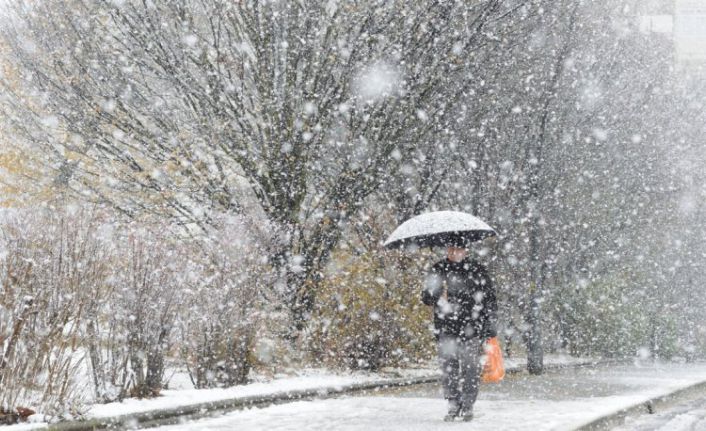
439, 229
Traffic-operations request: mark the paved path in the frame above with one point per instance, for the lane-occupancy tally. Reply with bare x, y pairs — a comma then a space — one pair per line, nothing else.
556, 401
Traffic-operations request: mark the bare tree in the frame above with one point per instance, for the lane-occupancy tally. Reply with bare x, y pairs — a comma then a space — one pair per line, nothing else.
170, 107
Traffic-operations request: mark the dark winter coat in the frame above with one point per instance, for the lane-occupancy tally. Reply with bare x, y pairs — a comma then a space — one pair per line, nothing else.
471, 308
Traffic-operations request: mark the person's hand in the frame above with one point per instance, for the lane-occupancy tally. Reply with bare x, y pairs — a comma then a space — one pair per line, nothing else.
444, 306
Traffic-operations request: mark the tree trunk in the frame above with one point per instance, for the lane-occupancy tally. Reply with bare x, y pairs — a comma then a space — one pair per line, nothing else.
654, 344
535, 349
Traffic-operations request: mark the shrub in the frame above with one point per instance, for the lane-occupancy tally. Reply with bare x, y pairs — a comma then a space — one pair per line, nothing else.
133, 324
370, 314
611, 318
225, 291
51, 260
89, 300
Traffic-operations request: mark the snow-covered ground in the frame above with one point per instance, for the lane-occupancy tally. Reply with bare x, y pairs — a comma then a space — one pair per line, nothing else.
687, 416
553, 401
178, 397
183, 392
556, 401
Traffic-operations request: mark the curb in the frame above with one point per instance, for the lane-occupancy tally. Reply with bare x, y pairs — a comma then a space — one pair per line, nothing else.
650, 406
213, 408
176, 415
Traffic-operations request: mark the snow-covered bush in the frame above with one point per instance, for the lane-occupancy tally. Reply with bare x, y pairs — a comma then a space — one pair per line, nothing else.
133, 325
91, 303
51, 263
226, 290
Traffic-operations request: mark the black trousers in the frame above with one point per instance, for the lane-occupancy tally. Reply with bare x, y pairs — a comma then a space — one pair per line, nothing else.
461, 370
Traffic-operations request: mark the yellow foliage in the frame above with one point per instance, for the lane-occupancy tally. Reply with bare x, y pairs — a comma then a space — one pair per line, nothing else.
22, 181
370, 314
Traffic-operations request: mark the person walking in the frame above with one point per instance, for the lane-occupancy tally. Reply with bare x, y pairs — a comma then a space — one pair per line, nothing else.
465, 315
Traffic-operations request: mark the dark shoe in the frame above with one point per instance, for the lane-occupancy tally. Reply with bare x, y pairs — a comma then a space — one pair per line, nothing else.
454, 410
467, 416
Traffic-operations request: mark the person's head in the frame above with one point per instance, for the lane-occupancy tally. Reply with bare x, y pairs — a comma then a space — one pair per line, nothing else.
456, 254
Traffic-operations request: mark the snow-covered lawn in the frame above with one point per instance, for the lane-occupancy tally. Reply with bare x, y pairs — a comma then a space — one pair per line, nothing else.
179, 397
556, 401
183, 393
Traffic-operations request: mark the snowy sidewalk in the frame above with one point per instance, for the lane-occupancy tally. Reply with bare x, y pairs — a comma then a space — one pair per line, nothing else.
311, 383
563, 400
309, 380
687, 416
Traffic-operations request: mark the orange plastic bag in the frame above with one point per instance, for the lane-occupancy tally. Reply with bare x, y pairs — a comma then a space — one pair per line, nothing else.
494, 369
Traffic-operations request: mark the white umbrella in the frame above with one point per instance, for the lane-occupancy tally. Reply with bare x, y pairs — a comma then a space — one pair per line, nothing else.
440, 229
